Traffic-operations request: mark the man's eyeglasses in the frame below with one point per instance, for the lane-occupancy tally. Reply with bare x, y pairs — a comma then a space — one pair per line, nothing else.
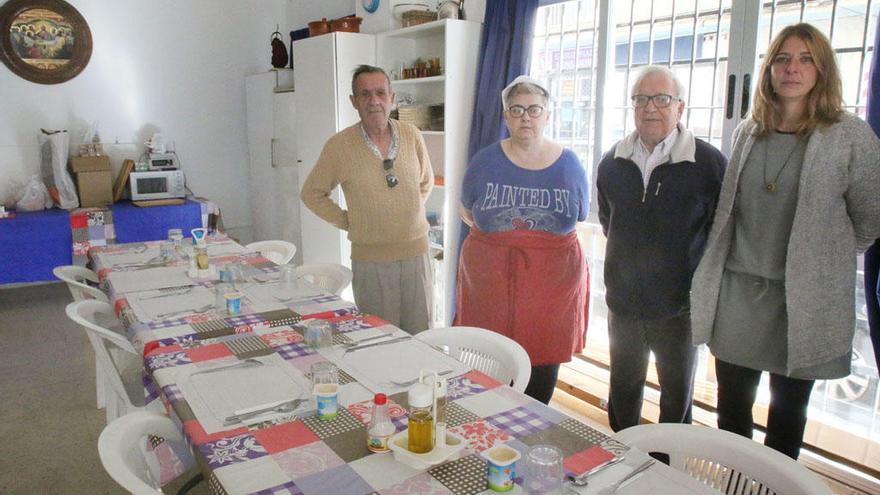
517, 111
390, 178
660, 101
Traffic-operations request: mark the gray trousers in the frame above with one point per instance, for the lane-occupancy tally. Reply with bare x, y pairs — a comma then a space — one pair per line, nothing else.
399, 292
631, 340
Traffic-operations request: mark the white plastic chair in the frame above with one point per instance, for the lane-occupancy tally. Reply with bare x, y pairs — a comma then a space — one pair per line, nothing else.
120, 452
731, 463
484, 350
276, 251
120, 364
75, 277
331, 277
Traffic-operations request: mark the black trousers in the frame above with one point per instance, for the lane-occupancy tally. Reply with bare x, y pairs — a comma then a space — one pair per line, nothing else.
542, 382
632, 340
787, 417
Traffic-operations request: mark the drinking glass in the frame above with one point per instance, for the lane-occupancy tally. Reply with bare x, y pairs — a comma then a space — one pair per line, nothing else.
287, 276
542, 470
318, 333
325, 388
175, 236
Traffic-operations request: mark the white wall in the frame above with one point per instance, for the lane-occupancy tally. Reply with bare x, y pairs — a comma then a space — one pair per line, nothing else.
174, 66
302, 12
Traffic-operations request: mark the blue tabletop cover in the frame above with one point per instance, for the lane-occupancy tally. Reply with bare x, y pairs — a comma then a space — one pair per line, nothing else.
136, 224
32, 243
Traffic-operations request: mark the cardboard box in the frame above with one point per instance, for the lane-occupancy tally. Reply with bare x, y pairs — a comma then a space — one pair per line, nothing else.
94, 180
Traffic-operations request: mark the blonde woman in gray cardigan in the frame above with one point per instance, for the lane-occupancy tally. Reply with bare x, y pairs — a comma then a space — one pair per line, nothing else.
775, 290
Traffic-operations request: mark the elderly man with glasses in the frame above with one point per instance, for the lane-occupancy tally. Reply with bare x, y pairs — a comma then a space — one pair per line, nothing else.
657, 191
383, 168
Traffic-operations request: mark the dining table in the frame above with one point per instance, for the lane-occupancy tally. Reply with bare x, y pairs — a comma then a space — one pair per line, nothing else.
212, 372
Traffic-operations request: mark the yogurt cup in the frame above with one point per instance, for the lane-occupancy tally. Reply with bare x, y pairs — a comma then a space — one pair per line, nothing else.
501, 467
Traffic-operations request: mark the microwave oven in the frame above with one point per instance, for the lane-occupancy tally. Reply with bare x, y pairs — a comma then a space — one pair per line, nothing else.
157, 184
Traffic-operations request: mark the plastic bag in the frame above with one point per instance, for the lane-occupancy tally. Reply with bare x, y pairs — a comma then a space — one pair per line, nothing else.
34, 197
54, 148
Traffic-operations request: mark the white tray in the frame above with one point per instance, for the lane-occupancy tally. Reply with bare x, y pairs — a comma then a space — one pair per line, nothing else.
398, 444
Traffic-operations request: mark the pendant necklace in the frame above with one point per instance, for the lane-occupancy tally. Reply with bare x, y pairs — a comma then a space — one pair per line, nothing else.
771, 185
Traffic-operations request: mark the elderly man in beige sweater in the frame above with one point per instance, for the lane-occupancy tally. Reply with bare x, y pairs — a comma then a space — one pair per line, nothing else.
384, 171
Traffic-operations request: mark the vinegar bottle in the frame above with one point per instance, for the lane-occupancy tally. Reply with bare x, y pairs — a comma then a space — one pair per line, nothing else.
420, 437
380, 428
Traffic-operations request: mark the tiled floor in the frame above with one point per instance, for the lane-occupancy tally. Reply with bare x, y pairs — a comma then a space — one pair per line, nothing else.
48, 420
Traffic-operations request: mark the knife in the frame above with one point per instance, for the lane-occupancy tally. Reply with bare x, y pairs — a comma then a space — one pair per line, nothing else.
374, 344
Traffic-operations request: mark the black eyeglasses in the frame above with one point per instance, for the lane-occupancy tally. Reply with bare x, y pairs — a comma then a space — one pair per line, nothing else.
660, 101
390, 178
517, 111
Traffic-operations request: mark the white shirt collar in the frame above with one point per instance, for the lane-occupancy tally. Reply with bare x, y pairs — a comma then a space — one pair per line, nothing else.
682, 148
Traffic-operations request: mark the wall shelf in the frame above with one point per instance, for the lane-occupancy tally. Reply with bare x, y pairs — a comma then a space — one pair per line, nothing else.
418, 80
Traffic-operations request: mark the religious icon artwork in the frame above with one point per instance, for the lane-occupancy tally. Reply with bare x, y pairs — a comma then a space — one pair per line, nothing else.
44, 41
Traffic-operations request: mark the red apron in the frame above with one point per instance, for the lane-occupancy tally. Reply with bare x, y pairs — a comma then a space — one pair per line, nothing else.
528, 285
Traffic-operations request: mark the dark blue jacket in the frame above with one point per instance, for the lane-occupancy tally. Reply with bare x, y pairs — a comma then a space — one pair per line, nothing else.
656, 236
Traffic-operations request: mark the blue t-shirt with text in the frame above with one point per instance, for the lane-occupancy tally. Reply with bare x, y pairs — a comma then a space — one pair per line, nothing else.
503, 196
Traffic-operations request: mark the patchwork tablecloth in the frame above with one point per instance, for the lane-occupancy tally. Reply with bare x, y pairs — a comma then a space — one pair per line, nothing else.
305, 455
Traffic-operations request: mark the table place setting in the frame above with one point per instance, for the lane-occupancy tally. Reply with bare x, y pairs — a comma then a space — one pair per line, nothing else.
280, 292
236, 391
134, 256
149, 279
162, 304
392, 365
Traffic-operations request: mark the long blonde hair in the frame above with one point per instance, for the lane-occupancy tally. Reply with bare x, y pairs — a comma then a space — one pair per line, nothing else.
825, 100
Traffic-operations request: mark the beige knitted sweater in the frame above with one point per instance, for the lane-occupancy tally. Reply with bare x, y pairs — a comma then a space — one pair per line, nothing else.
384, 224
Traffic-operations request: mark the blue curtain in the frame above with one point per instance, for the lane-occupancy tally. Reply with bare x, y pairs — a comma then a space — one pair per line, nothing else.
872, 256
505, 52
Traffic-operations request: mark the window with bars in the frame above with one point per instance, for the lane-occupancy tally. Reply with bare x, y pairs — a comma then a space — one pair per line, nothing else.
587, 52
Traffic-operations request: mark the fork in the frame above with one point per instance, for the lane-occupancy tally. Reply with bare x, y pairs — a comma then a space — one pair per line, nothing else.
617, 484
201, 310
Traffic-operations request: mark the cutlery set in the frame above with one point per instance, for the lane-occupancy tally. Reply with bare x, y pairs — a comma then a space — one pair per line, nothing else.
203, 309
285, 406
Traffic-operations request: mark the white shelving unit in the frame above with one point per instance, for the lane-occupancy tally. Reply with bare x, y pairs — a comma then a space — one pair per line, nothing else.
456, 44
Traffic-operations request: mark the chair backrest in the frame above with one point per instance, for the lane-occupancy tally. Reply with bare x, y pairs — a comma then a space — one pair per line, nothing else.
84, 313
486, 351
76, 278
733, 464
331, 277
120, 452
276, 251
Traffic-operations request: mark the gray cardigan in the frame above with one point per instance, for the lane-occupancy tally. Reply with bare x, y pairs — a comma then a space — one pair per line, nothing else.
837, 216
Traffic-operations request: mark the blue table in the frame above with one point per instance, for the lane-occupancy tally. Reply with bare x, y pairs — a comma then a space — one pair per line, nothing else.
32, 243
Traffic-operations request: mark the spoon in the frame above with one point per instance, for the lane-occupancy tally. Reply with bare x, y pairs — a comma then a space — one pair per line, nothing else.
608, 490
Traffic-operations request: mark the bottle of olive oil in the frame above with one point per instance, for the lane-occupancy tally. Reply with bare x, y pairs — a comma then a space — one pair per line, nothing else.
421, 419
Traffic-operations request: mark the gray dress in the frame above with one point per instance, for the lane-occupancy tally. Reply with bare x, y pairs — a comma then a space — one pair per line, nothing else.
751, 321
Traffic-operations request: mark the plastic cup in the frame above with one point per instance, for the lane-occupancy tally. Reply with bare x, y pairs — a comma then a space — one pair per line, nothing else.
542, 470
287, 276
501, 467
318, 333
325, 387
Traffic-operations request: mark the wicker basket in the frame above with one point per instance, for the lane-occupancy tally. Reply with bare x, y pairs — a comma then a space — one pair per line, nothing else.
416, 17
